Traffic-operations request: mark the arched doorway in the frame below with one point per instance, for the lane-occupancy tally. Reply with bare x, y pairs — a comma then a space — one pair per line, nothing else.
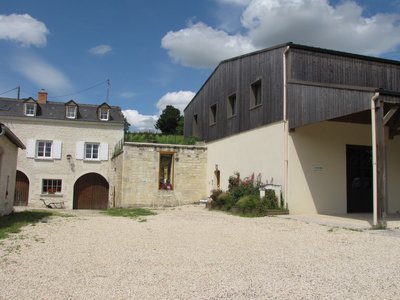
21, 194
91, 192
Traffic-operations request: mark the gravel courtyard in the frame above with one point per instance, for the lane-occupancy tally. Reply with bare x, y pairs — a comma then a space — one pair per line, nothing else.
192, 253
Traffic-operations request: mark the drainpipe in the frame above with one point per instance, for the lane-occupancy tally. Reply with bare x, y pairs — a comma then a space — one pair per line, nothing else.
285, 132
374, 159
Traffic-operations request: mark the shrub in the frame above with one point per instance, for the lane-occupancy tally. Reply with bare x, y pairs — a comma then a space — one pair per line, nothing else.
269, 201
247, 204
214, 198
224, 201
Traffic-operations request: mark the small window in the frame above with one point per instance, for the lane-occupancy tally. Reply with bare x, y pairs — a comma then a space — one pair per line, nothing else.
213, 114
30, 109
70, 112
255, 94
166, 171
104, 114
231, 105
51, 186
43, 149
92, 151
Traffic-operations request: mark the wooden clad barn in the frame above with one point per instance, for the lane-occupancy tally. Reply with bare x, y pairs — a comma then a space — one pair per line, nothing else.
271, 105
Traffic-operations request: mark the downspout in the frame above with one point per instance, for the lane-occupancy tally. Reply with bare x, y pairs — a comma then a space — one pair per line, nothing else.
285, 133
374, 159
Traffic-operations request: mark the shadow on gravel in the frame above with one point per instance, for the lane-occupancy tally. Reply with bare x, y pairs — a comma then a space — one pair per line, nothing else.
13, 223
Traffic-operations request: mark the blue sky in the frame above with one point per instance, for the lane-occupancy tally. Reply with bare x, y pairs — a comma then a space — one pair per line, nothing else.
160, 52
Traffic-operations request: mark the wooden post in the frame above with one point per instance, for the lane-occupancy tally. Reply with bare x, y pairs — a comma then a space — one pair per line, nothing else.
381, 163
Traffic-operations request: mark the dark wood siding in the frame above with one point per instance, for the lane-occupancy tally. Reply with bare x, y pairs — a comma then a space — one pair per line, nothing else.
322, 85
236, 76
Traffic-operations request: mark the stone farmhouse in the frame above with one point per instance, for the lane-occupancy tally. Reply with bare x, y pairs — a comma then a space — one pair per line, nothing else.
68, 151
322, 124
9, 144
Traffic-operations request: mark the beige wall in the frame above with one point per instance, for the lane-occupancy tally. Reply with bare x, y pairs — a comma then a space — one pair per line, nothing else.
258, 151
69, 133
8, 165
139, 186
317, 167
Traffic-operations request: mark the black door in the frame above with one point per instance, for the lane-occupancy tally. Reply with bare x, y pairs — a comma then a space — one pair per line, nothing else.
359, 179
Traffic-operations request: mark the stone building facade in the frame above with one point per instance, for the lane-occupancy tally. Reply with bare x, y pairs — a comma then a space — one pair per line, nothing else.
68, 153
155, 175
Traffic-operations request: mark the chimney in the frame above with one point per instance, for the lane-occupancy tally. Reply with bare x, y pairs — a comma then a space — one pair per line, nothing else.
42, 97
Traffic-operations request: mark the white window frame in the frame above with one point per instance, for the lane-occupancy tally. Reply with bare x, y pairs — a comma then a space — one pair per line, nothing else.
104, 114
30, 105
70, 112
91, 145
48, 184
46, 144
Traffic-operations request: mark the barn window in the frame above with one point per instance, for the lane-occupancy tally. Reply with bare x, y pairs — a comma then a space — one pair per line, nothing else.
255, 94
213, 114
231, 105
166, 180
51, 186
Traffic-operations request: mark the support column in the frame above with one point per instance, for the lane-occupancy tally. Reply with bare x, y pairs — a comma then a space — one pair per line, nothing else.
380, 165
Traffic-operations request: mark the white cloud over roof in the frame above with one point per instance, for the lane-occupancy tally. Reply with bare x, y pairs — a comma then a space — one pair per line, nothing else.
265, 23
23, 29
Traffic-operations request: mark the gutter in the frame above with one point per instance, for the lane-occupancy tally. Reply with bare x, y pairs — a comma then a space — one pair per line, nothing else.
11, 136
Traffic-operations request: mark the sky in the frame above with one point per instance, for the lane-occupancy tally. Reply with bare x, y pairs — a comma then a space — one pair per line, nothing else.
144, 55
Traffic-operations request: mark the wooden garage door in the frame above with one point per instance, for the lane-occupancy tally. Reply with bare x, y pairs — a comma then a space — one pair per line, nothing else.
91, 192
21, 194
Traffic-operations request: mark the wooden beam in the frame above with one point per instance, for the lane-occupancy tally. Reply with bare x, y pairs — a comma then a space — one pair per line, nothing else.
381, 163
389, 114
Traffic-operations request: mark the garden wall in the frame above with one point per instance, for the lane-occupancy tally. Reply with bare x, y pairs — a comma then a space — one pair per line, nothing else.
141, 182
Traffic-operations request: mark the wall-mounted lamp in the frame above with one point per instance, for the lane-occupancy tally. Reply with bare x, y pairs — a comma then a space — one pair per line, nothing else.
69, 157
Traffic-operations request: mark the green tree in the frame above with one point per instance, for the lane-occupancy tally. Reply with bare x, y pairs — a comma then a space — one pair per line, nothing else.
126, 126
180, 127
169, 120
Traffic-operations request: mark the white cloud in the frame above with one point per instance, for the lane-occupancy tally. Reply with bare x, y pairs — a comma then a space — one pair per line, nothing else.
100, 50
318, 23
202, 46
140, 122
269, 22
40, 72
23, 29
127, 95
176, 99
234, 2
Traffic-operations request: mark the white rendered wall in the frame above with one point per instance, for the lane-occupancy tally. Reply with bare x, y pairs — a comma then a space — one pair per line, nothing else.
258, 151
8, 164
317, 167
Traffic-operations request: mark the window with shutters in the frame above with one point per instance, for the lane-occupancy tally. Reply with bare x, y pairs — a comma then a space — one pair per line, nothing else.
92, 151
44, 149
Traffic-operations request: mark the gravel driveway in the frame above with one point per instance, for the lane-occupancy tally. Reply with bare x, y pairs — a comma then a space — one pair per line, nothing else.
192, 253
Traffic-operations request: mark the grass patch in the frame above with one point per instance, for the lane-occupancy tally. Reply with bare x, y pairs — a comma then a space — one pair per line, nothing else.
13, 223
129, 212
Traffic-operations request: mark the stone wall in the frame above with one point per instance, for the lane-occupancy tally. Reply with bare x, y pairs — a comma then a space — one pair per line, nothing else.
139, 180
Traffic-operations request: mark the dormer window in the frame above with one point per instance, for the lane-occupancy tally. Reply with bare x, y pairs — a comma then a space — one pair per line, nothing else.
104, 114
30, 109
70, 112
